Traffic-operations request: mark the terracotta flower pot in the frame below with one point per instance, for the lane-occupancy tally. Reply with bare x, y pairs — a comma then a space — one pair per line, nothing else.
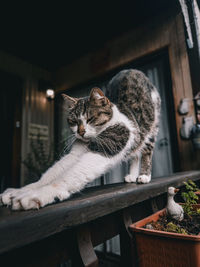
159, 248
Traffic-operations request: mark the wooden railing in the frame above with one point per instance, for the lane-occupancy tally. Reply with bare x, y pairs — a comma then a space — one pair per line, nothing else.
71, 229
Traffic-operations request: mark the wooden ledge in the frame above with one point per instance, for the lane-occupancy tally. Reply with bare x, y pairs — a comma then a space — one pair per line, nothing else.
19, 228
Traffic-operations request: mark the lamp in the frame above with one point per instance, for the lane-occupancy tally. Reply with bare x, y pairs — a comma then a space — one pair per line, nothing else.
50, 94
47, 88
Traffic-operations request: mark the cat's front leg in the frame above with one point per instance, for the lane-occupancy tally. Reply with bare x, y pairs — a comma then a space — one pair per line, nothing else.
134, 170
90, 166
146, 164
63, 165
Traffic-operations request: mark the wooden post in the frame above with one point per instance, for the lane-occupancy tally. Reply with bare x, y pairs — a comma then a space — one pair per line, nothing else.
85, 255
126, 241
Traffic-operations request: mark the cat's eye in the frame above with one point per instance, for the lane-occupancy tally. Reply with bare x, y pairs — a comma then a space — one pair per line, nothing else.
71, 122
91, 119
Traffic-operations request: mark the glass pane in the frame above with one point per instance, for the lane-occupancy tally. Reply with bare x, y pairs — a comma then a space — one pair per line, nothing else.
162, 151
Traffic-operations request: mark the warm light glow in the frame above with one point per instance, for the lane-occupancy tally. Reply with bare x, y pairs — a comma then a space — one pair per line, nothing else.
50, 93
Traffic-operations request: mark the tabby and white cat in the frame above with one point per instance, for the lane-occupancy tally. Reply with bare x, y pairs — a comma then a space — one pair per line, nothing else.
106, 134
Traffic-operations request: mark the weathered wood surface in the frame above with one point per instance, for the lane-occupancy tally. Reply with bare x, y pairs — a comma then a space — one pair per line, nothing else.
24, 227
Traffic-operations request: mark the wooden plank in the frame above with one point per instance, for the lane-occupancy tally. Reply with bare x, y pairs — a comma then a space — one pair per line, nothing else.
181, 87
48, 252
139, 42
191, 155
36, 109
18, 66
126, 241
105, 228
24, 227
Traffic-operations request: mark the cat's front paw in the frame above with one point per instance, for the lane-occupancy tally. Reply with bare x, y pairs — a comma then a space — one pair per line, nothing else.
26, 202
38, 199
144, 179
7, 195
131, 178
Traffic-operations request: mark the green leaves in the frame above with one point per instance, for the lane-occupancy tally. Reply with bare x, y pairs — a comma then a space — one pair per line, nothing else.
198, 211
172, 227
190, 185
189, 196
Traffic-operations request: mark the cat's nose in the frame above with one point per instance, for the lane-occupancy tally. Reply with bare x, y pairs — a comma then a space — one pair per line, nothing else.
81, 130
82, 133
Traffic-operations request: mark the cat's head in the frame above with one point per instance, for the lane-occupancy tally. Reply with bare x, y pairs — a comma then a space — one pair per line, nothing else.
88, 116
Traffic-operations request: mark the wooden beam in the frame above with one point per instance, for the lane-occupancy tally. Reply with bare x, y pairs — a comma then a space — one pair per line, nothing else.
17, 66
91, 204
139, 42
181, 88
126, 240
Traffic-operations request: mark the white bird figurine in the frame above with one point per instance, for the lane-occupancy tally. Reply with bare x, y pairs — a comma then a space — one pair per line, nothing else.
173, 208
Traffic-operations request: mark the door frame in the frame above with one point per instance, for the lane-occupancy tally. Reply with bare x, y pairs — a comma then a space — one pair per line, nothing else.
12, 86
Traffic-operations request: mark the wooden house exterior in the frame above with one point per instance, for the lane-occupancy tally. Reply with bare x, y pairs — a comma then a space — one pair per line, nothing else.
158, 46
163, 36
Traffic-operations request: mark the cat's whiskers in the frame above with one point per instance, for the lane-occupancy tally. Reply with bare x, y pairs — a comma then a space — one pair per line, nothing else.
69, 142
64, 140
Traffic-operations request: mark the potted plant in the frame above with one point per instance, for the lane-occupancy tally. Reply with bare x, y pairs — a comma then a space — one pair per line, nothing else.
162, 241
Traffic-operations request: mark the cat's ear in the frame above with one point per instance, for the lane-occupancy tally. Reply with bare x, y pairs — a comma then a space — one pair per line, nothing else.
98, 97
70, 101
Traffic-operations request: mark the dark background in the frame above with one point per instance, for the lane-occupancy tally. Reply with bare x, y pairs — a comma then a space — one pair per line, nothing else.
54, 35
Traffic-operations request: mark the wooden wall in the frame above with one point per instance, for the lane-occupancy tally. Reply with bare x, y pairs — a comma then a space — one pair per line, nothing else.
166, 32
39, 110
35, 106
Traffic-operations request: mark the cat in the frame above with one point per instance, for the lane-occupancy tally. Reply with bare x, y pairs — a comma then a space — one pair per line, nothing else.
109, 129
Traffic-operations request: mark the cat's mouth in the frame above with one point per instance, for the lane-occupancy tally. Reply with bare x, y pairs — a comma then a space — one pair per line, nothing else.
83, 138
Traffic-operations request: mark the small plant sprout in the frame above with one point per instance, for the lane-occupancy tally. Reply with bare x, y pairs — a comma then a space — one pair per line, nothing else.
171, 227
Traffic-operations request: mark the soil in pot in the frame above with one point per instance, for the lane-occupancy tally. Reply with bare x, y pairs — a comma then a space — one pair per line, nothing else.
189, 225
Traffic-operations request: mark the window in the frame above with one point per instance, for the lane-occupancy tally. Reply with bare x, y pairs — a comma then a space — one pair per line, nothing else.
163, 152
